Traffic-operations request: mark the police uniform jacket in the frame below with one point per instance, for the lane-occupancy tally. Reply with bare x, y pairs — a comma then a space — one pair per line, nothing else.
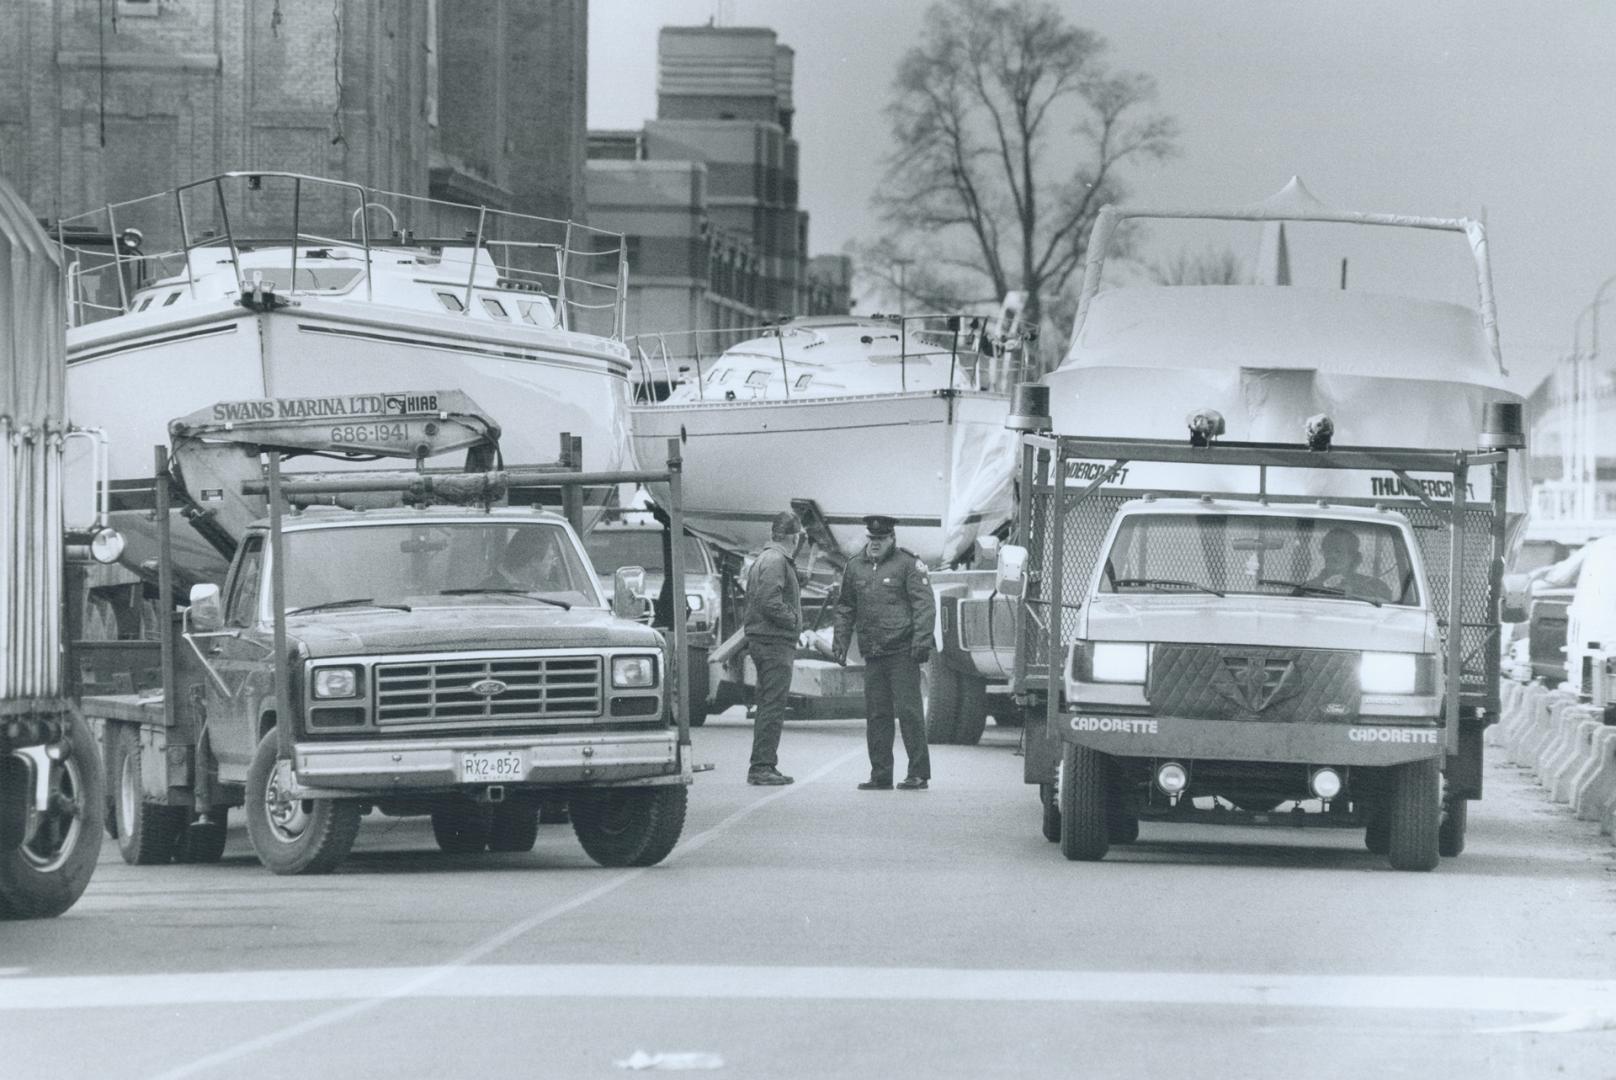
888, 603
773, 597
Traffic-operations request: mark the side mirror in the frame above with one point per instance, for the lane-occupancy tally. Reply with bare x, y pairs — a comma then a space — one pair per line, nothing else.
1517, 598
628, 582
987, 552
207, 613
1010, 577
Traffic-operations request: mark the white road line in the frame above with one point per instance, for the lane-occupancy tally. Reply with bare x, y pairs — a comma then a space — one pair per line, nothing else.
417, 982
366, 987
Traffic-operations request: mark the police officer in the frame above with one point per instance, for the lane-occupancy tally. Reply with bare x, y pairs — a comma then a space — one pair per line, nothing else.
773, 622
886, 598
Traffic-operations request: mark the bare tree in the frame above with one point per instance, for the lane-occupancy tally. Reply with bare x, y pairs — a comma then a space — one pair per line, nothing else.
1209, 267
1010, 133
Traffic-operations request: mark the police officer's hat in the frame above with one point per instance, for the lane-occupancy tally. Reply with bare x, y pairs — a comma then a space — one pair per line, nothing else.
879, 525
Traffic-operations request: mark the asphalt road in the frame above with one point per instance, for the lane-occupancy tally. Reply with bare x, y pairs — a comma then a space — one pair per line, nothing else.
819, 931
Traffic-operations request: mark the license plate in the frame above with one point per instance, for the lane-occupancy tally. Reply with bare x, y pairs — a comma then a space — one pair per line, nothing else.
478, 766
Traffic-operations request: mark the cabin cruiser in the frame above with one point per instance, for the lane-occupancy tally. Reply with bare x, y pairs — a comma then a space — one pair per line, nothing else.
272, 285
841, 417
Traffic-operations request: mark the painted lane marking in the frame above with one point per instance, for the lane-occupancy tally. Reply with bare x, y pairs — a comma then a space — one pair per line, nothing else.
371, 986
408, 982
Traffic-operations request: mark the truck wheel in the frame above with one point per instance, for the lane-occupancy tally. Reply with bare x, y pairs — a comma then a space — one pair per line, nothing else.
203, 841
973, 708
942, 704
1451, 833
294, 836
1121, 827
1083, 834
629, 826
554, 812
48, 870
463, 828
1046, 793
696, 671
513, 826
147, 829
1415, 815
1377, 839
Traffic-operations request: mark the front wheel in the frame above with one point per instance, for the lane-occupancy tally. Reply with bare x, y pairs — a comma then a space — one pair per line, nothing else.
291, 835
1084, 835
1415, 814
47, 871
629, 826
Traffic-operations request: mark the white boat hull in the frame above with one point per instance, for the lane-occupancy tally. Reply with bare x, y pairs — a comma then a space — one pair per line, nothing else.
130, 377
942, 464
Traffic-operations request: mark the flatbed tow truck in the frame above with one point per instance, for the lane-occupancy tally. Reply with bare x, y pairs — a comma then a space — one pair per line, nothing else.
1189, 659
404, 641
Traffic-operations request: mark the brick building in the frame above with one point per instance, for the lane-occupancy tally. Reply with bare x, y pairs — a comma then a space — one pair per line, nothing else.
707, 193
106, 100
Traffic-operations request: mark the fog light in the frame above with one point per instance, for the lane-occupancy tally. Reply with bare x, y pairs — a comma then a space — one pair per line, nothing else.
1326, 783
1172, 778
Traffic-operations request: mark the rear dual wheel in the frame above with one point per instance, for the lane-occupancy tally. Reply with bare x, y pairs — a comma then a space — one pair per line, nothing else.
49, 855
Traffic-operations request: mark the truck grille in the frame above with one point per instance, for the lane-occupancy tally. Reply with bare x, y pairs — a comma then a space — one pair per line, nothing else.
1279, 685
535, 687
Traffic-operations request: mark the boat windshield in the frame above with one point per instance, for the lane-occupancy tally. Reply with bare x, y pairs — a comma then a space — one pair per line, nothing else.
1262, 554
392, 563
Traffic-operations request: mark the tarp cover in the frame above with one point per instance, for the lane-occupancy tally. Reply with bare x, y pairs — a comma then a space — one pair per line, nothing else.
33, 341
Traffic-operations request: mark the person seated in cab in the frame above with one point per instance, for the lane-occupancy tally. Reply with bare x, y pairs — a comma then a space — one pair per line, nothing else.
531, 560
1340, 573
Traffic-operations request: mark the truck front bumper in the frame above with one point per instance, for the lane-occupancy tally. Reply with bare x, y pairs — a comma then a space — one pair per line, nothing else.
1367, 741
417, 765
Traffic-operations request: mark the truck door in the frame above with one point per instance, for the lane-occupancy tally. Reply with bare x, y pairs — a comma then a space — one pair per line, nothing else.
241, 659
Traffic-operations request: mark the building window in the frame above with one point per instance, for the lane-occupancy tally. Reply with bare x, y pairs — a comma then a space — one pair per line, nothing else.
450, 301
494, 308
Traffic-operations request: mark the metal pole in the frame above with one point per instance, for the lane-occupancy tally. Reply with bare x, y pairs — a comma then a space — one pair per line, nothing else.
284, 738
165, 586
297, 225
476, 248
785, 374
676, 573
1456, 540
1056, 532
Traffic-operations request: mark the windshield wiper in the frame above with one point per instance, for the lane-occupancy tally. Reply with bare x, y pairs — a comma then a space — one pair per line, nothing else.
358, 601
562, 604
1176, 583
1308, 589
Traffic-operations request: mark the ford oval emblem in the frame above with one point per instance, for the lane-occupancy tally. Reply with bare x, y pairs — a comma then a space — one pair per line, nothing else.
488, 687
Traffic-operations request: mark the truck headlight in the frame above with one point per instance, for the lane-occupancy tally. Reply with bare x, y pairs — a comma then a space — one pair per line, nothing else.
633, 672
1388, 673
336, 682
696, 601
1119, 661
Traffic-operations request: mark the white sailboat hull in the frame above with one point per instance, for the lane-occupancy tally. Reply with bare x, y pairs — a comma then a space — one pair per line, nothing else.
941, 463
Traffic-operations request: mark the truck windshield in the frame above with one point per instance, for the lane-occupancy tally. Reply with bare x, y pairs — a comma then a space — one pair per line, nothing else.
1266, 555
395, 563
610, 548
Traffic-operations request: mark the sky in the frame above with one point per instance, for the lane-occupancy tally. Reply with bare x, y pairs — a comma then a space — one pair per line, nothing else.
1493, 109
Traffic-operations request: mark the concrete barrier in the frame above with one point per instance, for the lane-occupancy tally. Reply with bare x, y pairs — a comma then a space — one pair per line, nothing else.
1556, 754
1594, 788
1527, 708
1579, 749
1540, 727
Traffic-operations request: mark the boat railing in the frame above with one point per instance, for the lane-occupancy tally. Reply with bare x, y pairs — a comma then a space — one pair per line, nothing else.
124, 247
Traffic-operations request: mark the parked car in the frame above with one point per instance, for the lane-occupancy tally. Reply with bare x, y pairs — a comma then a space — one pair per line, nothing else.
636, 540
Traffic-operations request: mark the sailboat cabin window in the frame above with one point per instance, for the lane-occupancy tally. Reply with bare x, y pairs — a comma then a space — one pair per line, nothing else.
802, 382
494, 308
538, 312
146, 303
450, 301
173, 296
758, 378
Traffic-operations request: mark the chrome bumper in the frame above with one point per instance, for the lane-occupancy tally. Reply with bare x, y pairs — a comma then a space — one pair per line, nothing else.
395, 767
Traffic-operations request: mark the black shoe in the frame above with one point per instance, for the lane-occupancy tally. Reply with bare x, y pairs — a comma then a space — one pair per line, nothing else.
876, 785
913, 783
768, 778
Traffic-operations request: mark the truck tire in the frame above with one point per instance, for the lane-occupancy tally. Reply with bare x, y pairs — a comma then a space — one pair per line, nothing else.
696, 671
1451, 833
1081, 782
46, 873
203, 841
294, 836
1414, 815
1046, 794
1121, 827
513, 826
973, 708
629, 826
1377, 839
147, 829
942, 704
463, 828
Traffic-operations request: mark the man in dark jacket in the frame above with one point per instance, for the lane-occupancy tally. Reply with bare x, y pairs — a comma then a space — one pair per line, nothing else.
886, 599
773, 623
